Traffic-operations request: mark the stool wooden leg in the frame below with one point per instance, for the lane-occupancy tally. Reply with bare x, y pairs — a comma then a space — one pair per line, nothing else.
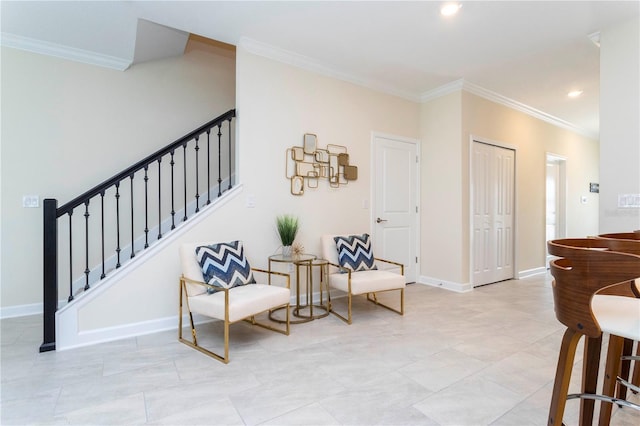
625, 369
591, 365
563, 376
611, 371
635, 378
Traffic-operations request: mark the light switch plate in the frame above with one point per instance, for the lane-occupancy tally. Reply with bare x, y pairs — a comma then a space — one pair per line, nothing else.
629, 201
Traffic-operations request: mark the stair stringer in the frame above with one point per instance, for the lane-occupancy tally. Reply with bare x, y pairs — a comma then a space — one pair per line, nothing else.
73, 323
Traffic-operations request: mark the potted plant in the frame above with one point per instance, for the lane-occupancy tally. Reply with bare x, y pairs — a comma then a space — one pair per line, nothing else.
287, 226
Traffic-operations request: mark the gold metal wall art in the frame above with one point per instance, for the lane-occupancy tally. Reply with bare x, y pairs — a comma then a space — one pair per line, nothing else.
308, 164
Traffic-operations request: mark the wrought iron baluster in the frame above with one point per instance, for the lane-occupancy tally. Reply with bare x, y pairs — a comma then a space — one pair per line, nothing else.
53, 216
70, 257
133, 247
159, 200
208, 168
118, 224
229, 153
184, 162
219, 160
173, 209
146, 206
197, 178
86, 244
102, 231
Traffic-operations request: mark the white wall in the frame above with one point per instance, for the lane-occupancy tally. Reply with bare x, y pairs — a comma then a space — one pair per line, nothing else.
276, 105
447, 125
441, 217
619, 125
533, 138
68, 126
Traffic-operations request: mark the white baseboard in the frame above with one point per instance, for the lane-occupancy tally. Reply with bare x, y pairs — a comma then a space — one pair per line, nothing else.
21, 310
108, 334
531, 272
447, 285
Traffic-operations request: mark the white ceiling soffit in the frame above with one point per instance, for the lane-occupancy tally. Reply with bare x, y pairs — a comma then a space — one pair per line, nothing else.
106, 34
154, 41
97, 33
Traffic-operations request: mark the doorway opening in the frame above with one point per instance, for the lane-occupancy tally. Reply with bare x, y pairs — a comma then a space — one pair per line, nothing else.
555, 206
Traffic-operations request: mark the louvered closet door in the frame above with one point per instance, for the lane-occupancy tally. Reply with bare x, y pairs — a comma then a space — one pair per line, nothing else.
493, 171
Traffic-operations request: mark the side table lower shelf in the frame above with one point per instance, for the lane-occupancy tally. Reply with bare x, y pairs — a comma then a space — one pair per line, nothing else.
305, 312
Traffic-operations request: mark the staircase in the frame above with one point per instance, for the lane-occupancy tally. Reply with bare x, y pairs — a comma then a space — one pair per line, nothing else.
98, 232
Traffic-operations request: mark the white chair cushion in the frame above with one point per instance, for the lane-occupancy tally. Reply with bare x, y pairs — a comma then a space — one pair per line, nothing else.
191, 268
329, 250
617, 315
367, 281
244, 301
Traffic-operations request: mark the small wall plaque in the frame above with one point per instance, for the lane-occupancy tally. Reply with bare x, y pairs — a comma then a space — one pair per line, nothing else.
594, 187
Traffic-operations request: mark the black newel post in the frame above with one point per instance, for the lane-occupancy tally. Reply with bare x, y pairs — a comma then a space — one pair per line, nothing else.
50, 269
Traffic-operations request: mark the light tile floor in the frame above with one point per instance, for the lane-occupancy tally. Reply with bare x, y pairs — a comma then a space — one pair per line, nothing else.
487, 357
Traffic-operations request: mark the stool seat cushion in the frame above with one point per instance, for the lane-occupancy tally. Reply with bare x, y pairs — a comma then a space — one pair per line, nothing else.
367, 281
617, 315
244, 301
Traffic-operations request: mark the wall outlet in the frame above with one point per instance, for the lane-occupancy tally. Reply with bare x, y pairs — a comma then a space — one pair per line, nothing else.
30, 201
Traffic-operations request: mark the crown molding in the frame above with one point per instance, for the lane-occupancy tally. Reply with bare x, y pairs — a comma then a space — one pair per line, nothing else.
443, 90
64, 52
461, 84
300, 61
526, 109
281, 55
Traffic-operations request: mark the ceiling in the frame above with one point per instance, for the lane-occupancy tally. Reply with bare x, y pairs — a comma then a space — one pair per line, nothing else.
529, 53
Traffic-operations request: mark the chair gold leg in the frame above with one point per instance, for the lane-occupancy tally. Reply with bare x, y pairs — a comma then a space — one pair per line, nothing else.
375, 301
269, 327
373, 298
334, 312
193, 343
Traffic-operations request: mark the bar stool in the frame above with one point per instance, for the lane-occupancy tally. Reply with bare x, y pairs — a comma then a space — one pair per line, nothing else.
626, 242
584, 268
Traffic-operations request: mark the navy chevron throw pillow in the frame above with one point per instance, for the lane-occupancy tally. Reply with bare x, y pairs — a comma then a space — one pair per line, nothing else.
355, 252
224, 265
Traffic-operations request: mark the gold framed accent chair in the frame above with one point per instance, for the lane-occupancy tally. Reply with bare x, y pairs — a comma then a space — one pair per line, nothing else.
218, 282
353, 270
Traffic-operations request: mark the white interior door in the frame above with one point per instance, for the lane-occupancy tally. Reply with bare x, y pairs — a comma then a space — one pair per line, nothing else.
395, 201
493, 204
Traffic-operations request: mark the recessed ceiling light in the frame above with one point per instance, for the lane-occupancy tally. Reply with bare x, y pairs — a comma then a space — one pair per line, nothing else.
574, 93
450, 9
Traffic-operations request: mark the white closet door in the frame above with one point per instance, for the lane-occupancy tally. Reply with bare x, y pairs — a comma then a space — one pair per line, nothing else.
493, 216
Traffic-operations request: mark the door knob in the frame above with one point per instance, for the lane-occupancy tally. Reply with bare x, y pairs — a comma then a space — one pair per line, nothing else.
378, 220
